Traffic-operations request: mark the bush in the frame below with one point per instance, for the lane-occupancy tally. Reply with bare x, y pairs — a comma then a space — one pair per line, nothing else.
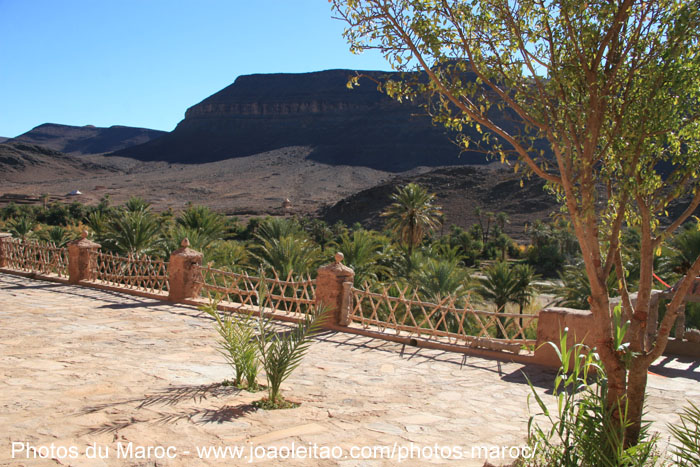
237, 345
583, 431
686, 448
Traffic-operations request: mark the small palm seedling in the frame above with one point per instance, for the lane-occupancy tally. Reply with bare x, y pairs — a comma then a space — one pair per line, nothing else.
686, 448
282, 352
237, 345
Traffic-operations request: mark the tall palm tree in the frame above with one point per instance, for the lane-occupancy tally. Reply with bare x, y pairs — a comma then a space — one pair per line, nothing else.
500, 285
524, 290
412, 214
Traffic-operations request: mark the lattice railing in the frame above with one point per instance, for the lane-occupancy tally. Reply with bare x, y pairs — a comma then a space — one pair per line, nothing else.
289, 296
131, 272
394, 309
37, 257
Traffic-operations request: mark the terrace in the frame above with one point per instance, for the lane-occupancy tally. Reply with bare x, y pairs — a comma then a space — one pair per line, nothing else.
83, 366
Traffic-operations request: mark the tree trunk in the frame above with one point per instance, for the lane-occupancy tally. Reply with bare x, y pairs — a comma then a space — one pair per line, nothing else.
636, 388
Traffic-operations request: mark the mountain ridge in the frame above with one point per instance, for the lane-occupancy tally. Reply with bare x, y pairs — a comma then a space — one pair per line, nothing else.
262, 112
88, 139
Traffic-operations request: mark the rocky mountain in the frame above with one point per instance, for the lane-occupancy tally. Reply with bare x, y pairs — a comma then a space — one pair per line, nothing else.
3, 139
81, 140
22, 161
263, 112
459, 190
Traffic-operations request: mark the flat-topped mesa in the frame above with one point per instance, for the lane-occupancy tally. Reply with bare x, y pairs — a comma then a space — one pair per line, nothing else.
342, 126
292, 94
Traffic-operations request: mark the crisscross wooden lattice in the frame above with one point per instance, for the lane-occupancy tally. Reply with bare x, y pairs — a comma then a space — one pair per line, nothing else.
38, 257
132, 272
406, 313
289, 296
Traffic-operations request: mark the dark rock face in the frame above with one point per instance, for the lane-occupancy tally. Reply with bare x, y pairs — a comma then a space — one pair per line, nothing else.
81, 140
258, 113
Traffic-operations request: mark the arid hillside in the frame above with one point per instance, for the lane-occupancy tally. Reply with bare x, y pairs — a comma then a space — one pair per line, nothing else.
80, 140
257, 185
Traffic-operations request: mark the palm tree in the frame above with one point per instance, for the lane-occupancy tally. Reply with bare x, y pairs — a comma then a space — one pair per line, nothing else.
44, 200
319, 231
230, 255
524, 290
200, 225
98, 221
56, 235
685, 247
412, 215
136, 203
134, 233
502, 242
440, 278
287, 255
500, 285
274, 228
364, 252
575, 288
202, 219
501, 220
21, 227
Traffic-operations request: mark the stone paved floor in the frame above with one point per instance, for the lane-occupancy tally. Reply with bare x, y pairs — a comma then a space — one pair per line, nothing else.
83, 369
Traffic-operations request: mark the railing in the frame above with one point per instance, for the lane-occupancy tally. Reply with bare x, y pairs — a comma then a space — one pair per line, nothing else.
444, 321
384, 311
37, 257
131, 272
289, 296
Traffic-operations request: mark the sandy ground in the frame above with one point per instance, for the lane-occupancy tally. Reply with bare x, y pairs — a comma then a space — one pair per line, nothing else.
87, 370
247, 185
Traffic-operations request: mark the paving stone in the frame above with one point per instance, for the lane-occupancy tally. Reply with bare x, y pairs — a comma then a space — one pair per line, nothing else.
81, 366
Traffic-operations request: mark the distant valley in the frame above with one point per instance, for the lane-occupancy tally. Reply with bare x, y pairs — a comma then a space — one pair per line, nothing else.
334, 152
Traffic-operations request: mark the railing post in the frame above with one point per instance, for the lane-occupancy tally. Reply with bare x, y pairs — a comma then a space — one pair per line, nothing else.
333, 284
4, 249
182, 274
551, 323
80, 253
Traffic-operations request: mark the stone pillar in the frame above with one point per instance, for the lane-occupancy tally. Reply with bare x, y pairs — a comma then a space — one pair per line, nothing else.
333, 284
550, 326
182, 274
4, 240
80, 264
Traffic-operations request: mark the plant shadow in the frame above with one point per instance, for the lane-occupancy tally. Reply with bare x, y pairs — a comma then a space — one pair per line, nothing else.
171, 397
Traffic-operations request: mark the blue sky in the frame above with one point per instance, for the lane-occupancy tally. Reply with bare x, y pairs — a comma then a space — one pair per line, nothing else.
144, 62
